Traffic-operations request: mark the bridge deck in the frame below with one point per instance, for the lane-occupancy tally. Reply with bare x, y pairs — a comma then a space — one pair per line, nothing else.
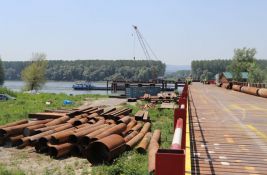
228, 131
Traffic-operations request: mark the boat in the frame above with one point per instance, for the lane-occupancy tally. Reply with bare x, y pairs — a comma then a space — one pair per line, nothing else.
83, 86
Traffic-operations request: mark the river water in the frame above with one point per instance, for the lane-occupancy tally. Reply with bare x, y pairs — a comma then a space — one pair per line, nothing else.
61, 87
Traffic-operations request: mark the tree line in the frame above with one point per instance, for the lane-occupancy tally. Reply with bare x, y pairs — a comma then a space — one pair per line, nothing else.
243, 60
91, 70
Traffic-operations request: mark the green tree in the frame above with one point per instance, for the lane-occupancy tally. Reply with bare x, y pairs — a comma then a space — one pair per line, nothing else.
2, 75
34, 74
242, 61
255, 75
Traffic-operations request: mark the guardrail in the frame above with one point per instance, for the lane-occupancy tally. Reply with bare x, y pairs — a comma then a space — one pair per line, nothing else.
172, 161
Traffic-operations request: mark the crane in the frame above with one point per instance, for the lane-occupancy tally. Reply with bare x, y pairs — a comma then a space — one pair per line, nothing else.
147, 50
144, 44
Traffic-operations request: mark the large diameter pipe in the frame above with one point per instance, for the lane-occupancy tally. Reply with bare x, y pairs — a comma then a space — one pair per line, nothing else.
262, 92
177, 138
60, 150
250, 90
18, 129
14, 123
105, 149
152, 150
142, 146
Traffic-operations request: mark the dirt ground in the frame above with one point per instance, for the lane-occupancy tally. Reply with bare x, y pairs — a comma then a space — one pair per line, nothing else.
33, 163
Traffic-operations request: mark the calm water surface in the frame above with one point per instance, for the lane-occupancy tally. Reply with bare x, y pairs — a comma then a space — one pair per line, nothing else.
60, 87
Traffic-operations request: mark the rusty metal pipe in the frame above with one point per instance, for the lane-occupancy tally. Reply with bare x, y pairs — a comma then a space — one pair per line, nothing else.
58, 121
250, 90
85, 140
130, 126
13, 141
152, 150
74, 138
105, 149
62, 136
18, 129
30, 130
262, 92
142, 146
130, 136
125, 120
80, 121
61, 150
118, 129
236, 87
47, 128
14, 123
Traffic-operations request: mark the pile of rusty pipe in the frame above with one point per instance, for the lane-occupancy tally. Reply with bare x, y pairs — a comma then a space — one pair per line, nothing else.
105, 149
60, 150
18, 129
86, 139
14, 123
262, 92
142, 146
27, 140
75, 137
152, 150
137, 127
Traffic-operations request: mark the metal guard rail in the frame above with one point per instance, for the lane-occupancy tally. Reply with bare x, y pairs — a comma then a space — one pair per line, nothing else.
172, 161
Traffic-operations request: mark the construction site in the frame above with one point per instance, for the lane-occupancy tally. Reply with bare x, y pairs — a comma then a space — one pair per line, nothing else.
204, 140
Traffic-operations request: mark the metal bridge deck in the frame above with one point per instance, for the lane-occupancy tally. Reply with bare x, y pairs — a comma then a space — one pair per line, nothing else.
228, 131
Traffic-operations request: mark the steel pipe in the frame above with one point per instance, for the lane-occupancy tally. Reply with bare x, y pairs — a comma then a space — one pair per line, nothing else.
105, 149
142, 146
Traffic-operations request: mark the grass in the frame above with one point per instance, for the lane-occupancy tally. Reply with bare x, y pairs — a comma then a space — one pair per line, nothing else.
131, 162
11, 171
13, 110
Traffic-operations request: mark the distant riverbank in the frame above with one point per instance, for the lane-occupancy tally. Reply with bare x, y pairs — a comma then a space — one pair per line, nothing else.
59, 87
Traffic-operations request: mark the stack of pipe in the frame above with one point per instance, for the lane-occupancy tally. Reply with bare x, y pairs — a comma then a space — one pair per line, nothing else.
95, 133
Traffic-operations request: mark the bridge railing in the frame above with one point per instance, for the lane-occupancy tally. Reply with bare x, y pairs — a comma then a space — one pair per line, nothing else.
172, 161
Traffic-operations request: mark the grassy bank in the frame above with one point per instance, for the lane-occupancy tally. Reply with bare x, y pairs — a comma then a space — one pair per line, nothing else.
133, 163
13, 110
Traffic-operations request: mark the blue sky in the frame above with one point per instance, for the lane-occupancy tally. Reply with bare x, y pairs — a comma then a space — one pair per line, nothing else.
178, 31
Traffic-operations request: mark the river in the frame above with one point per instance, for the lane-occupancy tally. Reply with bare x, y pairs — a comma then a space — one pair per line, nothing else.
61, 87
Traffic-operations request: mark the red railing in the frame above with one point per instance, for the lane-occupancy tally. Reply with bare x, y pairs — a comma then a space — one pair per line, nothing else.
172, 161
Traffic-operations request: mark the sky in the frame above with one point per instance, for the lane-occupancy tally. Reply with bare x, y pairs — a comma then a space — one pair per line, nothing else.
177, 31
